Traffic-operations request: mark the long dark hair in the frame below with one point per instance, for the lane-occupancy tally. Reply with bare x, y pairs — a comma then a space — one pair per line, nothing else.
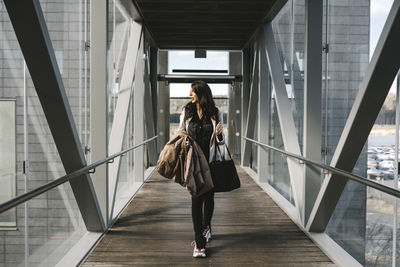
205, 100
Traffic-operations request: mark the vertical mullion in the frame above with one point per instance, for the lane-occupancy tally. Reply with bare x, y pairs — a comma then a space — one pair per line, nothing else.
26, 170
396, 170
312, 101
263, 117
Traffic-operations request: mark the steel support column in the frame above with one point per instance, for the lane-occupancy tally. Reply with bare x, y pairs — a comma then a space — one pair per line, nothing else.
163, 103
286, 121
312, 136
245, 96
264, 108
252, 108
138, 115
148, 113
234, 114
38, 52
98, 100
372, 93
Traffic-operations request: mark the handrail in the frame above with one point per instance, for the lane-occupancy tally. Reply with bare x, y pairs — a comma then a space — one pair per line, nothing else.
357, 178
44, 188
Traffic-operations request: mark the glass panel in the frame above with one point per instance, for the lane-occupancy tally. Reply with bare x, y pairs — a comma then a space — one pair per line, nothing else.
346, 30
297, 77
126, 182
12, 179
55, 226
7, 159
66, 22
278, 170
179, 93
216, 60
118, 34
379, 229
289, 37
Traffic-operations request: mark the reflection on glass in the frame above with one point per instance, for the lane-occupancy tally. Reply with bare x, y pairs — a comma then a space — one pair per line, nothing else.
67, 25
278, 170
118, 38
126, 182
379, 229
55, 226
346, 31
12, 143
289, 30
7, 160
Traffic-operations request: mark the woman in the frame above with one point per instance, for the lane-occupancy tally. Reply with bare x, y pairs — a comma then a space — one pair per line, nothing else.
202, 121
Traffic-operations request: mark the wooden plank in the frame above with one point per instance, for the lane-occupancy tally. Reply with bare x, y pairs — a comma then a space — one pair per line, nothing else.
248, 229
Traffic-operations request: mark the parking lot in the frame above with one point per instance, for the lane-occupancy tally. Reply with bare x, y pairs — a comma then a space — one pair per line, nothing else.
381, 163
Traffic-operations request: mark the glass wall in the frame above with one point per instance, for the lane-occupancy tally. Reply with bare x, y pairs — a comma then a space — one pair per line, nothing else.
119, 27
41, 231
278, 168
289, 29
363, 220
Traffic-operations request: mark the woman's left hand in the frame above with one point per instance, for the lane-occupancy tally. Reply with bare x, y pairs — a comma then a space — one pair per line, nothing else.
218, 128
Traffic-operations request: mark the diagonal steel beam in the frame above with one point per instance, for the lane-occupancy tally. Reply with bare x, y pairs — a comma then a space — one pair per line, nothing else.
252, 111
148, 114
264, 108
38, 52
372, 93
116, 140
138, 115
286, 121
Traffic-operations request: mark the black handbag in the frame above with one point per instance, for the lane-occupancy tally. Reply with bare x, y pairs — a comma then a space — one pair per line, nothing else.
223, 173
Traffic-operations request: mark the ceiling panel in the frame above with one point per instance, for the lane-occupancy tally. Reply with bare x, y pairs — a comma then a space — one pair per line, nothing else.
207, 24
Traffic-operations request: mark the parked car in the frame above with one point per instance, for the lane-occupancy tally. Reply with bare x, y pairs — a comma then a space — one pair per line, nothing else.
373, 173
386, 164
386, 173
372, 163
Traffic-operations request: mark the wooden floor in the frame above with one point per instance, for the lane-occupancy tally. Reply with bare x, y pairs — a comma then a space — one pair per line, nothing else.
248, 229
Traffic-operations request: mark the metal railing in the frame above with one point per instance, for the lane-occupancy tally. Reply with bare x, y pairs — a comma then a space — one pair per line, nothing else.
44, 188
386, 189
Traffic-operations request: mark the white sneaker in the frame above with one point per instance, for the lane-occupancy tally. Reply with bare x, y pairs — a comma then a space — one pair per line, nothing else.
198, 252
207, 233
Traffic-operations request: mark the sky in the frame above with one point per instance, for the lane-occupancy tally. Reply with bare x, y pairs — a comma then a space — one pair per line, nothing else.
379, 12
220, 60
215, 60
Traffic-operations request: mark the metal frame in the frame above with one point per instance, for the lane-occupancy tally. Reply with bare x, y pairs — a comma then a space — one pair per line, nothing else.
264, 108
312, 136
73, 175
252, 106
98, 99
38, 52
245, 96
148, 108
117, 134
335, 252
234, 114
288, 129
362, 180
138, 113
162, 103
189, 78
372, 93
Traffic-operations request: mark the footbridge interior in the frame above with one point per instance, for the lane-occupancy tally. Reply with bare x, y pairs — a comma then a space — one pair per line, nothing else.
91, 91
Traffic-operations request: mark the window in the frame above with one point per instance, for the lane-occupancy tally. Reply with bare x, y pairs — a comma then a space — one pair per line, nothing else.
7, 159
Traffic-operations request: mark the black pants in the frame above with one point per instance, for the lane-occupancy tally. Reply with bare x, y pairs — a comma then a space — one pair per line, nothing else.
202, 211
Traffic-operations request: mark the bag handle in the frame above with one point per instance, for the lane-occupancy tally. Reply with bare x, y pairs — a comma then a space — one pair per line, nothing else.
217, 147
